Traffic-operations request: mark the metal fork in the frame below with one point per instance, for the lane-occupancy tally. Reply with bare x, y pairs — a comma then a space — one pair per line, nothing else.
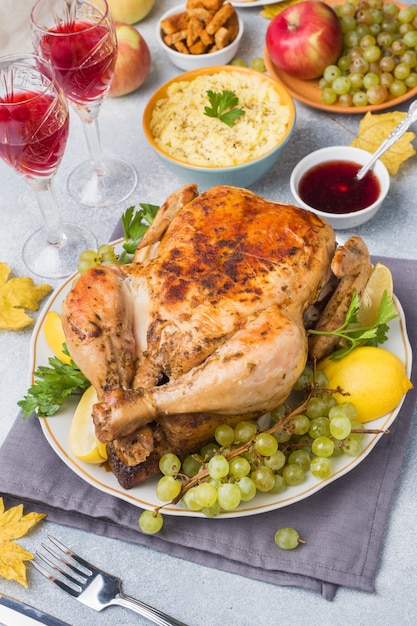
94, 587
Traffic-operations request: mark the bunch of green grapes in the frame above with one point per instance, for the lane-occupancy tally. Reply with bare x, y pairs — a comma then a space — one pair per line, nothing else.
104, 255
379, 58
243, 461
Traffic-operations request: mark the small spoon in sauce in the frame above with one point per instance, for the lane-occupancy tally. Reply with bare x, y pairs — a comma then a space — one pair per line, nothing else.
392, 138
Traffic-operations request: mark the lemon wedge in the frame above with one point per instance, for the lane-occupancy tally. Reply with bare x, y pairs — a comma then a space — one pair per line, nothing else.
54, 335
375, 379
379, 281
83, 442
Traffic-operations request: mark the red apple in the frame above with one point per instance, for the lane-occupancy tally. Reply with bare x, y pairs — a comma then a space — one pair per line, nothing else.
133, 62
304, 38
130, 11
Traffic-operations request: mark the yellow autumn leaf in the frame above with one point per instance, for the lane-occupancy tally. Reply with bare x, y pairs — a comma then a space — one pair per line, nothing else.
374, 128
16, 295
13, 525
271, 10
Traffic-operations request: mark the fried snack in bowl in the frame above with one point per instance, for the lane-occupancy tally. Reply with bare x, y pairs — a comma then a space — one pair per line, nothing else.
200, 33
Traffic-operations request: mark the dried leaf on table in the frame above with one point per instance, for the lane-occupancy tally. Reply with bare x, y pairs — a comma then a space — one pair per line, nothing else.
16, 295
13, 525
271, 10
374, 128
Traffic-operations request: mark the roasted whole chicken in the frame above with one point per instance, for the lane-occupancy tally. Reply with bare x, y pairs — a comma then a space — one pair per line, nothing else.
207, 325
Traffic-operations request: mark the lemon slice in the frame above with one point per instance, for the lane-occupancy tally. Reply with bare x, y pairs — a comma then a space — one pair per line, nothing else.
375, 379
54, 335
83, 442
379, 281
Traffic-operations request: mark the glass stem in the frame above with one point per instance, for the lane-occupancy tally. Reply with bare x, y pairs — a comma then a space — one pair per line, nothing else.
45, 195
89, 118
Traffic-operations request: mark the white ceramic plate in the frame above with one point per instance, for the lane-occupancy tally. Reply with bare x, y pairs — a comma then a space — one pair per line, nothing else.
56, 430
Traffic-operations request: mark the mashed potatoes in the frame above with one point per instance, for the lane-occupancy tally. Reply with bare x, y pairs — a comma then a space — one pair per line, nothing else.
181, 129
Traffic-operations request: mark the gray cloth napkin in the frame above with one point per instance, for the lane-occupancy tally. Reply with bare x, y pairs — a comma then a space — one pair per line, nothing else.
333, 555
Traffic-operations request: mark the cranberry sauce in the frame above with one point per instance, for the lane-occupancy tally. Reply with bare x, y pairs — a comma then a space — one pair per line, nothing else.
331, 187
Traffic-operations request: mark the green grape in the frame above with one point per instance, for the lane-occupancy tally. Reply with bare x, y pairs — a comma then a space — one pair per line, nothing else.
224, 435
402, 71
321, 467
211, 511
351, 446
229, 496
282, 435
275, 461
106, 253
208, 451
266, 444
287, 538
360, 99
205, 494
405, 15
258, 64
293, 474
341, 85
88, 258
411, 80
304, 379
322, 446
321, 380
244, 431
190, 500
218, 466
349, 409
299, 424
372, 54
277, 413
331, 72
150, 522
319, 427
328, 96
167, 488
279, 485
329, 401
238, 63
370, 80
264, 478
239, 466
410, 39
169, 464
300, 457
397, 88
191, 465
247, 488
340, 427
315, 408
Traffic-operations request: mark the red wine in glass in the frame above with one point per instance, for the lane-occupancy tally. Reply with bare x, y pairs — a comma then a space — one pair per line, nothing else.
84, 64
34, 132
33, 136
78, 37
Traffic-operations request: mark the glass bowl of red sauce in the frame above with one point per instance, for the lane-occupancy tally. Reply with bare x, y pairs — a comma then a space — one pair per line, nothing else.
325, 182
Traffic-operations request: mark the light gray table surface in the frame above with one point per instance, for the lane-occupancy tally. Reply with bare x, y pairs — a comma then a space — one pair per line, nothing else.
197, 595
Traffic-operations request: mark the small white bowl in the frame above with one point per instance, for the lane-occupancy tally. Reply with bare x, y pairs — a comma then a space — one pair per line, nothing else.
341, 153
196, 61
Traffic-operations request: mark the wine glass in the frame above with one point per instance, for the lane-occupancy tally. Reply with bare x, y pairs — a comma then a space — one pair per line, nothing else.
78, 37
33, 136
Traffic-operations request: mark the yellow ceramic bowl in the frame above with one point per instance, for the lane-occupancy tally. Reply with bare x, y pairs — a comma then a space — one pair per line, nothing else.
243, 174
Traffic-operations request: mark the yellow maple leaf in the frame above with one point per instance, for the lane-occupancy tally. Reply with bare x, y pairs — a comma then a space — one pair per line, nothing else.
16, 295
13, 525
374, 128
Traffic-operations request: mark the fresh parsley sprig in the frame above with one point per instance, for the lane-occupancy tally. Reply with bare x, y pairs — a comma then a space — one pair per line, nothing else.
352, 335
135, 224
223, 106
51, 388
